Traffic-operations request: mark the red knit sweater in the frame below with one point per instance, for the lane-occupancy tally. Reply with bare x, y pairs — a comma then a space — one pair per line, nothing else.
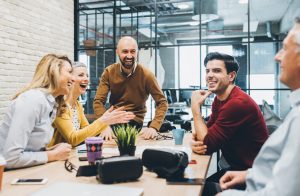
237, 127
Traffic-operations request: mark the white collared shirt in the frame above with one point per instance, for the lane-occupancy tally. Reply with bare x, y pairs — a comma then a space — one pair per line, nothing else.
276, 168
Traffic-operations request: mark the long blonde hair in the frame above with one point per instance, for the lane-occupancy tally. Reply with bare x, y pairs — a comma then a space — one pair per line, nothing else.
46, 76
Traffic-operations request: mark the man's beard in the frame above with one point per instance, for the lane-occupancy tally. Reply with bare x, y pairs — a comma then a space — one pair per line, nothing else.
128, 65
219, 88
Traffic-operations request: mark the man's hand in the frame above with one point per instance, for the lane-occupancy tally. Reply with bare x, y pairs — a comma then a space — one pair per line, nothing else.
197, 99
148, 133
198, 146
107, 134
233, 178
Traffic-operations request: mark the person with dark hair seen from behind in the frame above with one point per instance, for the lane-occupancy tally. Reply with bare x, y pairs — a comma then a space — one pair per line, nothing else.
71, 125
130, 85
276, 168
27, 125
236, 125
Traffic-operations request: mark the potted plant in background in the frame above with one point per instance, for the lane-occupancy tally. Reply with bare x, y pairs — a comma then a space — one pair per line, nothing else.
88, 44
126, 139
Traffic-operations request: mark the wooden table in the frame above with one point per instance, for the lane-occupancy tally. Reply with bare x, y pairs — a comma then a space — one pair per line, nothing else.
56, 172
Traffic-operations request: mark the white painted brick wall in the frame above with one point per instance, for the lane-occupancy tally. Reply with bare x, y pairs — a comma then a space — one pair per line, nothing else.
28, 30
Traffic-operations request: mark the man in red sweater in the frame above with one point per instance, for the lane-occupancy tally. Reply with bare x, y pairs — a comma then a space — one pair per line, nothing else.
236, 125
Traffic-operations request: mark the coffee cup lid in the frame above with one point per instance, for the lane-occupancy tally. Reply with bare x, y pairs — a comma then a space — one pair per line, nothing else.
2, 160
93, 139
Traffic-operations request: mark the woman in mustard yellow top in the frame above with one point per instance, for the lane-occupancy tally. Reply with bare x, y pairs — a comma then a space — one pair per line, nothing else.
71, 125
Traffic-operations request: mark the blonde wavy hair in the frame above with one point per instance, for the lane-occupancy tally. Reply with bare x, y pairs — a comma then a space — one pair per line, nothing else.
46, 76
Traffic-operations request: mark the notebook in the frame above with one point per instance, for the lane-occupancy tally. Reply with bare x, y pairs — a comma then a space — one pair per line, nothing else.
79, 189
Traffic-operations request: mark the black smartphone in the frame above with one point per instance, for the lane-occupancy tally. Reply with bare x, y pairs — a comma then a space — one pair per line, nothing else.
185, 181
30, 181
85, 159
82, 158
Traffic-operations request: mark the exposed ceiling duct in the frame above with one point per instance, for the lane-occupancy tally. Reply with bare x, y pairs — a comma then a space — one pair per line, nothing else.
219, 18
209, 10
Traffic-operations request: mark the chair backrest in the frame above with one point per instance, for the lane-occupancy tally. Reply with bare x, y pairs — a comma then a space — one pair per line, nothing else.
271, 128
272, 120
185, 96
168, 96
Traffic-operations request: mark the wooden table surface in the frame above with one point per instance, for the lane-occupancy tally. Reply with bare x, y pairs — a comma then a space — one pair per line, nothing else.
56, 172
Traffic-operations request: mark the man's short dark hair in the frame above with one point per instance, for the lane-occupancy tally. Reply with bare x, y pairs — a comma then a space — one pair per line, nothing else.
230, 63
297, 19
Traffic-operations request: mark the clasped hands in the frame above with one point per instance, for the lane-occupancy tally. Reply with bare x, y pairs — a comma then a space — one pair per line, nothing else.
231, 178
59, 151
198, 146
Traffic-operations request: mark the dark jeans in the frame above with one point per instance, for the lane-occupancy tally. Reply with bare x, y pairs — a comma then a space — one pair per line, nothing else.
211, 189
212, 186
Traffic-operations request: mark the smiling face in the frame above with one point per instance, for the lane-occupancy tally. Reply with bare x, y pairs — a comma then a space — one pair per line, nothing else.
127, 52
289, 59
65, 79
217, 78
81, 80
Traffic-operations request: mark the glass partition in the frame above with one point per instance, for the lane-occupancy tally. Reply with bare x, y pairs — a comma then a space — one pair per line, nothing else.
175, 36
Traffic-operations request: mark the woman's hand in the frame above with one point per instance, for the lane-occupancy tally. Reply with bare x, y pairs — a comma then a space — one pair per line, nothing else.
116, 116
59, 152
107, 134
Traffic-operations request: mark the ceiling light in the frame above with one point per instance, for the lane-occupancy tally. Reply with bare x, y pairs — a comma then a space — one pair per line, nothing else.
120, 3
125, 8
194, 23
243, 1
183, 6
205, 18
147, 32
166, 43
251, 39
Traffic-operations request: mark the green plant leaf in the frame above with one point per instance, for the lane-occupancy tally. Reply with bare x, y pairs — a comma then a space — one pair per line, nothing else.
125, 136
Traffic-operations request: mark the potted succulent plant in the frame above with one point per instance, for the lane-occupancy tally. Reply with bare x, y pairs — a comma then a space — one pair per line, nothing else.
126, 139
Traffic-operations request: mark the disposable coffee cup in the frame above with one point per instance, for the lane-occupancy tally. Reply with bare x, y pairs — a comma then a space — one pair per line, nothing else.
178, 135
93, 149
2, 165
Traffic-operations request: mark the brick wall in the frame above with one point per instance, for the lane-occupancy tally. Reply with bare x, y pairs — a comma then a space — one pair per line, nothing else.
29, 30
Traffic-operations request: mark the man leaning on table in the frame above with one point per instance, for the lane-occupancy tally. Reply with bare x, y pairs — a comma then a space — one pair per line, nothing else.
130, 85
236, 125
276, 168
